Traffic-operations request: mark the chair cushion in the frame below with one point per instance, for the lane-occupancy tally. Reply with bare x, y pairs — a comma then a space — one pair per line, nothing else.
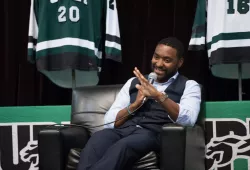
73, 158
148, 162
89, 105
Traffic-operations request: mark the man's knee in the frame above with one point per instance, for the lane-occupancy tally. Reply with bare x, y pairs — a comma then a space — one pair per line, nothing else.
121, 145
101, 133
102, 137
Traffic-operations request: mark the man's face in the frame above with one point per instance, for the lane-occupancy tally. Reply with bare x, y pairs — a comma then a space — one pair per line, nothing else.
165, 62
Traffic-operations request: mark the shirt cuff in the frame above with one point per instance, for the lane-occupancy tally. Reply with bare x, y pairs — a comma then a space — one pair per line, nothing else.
183, 117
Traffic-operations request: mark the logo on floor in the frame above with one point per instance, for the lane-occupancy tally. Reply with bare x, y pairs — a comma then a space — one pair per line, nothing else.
227, 141
19, 148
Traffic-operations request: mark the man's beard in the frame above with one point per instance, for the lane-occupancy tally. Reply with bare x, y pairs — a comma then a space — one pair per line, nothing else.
167, 73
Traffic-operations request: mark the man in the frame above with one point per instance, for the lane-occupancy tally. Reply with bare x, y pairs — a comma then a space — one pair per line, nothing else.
171, 98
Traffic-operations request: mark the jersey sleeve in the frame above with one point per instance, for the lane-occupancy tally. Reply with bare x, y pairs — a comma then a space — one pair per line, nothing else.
33, 31
198, 37
112, 32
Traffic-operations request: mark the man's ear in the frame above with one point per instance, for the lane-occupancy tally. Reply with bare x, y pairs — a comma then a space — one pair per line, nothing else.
181, 61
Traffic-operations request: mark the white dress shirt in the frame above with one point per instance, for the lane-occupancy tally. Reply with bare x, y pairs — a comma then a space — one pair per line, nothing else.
189, 103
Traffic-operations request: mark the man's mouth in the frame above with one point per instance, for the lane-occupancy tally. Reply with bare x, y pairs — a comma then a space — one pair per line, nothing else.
159, 71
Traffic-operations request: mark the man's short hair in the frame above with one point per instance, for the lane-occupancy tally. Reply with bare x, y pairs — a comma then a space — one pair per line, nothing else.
174, 43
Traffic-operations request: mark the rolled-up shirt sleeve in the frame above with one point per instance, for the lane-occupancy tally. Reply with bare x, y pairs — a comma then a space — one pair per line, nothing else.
189, 106
122, 100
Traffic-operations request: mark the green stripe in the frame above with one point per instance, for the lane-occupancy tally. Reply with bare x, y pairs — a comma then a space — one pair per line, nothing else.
217, 109
228, 109
35, 114
112, 51
229, 36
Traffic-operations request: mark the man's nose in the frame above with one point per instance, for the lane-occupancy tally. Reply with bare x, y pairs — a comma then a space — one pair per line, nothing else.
159, 63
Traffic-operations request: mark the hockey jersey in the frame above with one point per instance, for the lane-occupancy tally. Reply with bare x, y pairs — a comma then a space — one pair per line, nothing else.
73, 34
222, 28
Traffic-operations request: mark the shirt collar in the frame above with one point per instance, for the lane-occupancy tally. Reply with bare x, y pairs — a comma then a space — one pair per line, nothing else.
169, 80
175, 76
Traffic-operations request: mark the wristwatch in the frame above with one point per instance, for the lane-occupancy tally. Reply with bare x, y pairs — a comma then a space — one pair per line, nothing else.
164, 96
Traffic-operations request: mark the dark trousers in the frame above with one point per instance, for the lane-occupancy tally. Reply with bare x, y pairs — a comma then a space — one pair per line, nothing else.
117, 149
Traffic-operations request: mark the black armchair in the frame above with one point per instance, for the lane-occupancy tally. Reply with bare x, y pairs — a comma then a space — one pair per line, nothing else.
182, 148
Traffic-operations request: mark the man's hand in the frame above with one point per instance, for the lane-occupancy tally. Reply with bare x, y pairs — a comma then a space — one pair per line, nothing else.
146, 89
139, 99
149, 90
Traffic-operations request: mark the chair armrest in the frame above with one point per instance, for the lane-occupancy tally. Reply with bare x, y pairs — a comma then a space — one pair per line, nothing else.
173, 144
54, 144
182, 148
195, 148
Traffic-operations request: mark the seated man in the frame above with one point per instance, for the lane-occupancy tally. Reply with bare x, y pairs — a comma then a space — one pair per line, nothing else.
171, 98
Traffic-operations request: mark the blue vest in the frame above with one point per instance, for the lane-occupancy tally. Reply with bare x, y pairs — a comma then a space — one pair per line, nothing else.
152, 115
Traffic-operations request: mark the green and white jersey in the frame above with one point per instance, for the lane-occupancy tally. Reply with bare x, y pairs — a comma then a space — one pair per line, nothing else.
222, 27
73, 34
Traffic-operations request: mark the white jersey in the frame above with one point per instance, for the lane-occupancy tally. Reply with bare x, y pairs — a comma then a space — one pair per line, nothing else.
222, 27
